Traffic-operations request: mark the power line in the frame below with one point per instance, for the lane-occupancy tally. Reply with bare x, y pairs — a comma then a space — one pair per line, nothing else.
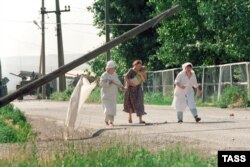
71, 23
87, 24
123, 24
62, 81
79, 31
17, 21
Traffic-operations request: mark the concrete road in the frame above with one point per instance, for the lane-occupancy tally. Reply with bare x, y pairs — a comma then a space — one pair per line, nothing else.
219, 129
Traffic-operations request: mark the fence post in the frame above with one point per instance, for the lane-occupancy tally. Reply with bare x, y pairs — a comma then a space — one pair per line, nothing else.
202, 83
231, 75
248, 79
162, 83
173, 78
219, 84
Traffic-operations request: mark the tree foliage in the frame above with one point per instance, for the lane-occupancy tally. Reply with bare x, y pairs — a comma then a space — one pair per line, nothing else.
204, 32
140, 47
230, 22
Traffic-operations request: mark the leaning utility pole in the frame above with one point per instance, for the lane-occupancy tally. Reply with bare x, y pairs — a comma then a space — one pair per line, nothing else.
62, 70
62, 81
107, 27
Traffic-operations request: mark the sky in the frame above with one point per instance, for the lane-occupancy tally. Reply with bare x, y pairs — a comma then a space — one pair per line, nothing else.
19, 36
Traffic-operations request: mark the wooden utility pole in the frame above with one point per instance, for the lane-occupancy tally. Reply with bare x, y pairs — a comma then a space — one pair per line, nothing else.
62, 70
43, 49
107, 31
0, 78
62, 81
0, 72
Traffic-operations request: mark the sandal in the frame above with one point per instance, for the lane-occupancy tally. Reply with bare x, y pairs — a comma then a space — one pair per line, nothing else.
142, 122
111, 124
130, 121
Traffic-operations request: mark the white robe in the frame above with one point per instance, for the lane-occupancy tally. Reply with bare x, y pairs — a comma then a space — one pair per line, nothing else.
184, 97
109, 92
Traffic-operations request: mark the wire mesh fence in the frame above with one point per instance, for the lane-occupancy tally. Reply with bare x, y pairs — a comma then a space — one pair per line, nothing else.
213, 80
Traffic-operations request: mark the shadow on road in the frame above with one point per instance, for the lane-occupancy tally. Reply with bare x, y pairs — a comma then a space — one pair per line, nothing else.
97, 133
199, 130
117, 127
145, 124
209, 122
120, 127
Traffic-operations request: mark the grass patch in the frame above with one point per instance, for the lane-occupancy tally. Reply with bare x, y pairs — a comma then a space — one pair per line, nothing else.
157, 99
13, 125
149, 98
199, 103
95, 96
115, 155
62, 96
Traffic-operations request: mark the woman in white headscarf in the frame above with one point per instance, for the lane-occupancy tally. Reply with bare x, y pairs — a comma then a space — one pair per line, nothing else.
184, 93
110, 83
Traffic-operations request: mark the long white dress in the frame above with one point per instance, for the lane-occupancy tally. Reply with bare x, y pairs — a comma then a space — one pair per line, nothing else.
184, 97
109, 92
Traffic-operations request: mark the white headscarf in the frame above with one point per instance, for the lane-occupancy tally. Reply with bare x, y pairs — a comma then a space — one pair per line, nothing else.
186, 64
110, 64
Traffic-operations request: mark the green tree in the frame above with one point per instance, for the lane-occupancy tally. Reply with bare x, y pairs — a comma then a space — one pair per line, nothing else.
204, 32
229, 20
141, 47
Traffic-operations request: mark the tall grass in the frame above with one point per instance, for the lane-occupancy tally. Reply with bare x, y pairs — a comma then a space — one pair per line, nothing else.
117, 155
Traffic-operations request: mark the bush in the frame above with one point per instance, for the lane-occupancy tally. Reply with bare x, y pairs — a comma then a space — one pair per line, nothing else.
233, 96
8, 134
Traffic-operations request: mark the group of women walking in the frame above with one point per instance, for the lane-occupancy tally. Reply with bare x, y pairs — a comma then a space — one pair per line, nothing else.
133, 99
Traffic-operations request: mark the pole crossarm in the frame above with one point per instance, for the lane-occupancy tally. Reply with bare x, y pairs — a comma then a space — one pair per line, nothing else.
67, 67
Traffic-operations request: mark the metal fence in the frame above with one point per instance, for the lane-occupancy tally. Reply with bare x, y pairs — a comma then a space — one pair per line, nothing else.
212, 79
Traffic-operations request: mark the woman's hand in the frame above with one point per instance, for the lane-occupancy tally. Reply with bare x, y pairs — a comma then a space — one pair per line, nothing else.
180, 86
198, 91
131, 83
97, 81
123, 89
110, 82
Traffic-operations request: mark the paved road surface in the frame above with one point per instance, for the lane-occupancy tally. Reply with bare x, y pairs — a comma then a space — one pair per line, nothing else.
218, 130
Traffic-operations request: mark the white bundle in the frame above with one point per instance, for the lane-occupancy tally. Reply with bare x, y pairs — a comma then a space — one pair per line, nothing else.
78, 97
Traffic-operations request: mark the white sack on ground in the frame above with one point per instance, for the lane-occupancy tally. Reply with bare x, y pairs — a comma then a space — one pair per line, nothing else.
78, 97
